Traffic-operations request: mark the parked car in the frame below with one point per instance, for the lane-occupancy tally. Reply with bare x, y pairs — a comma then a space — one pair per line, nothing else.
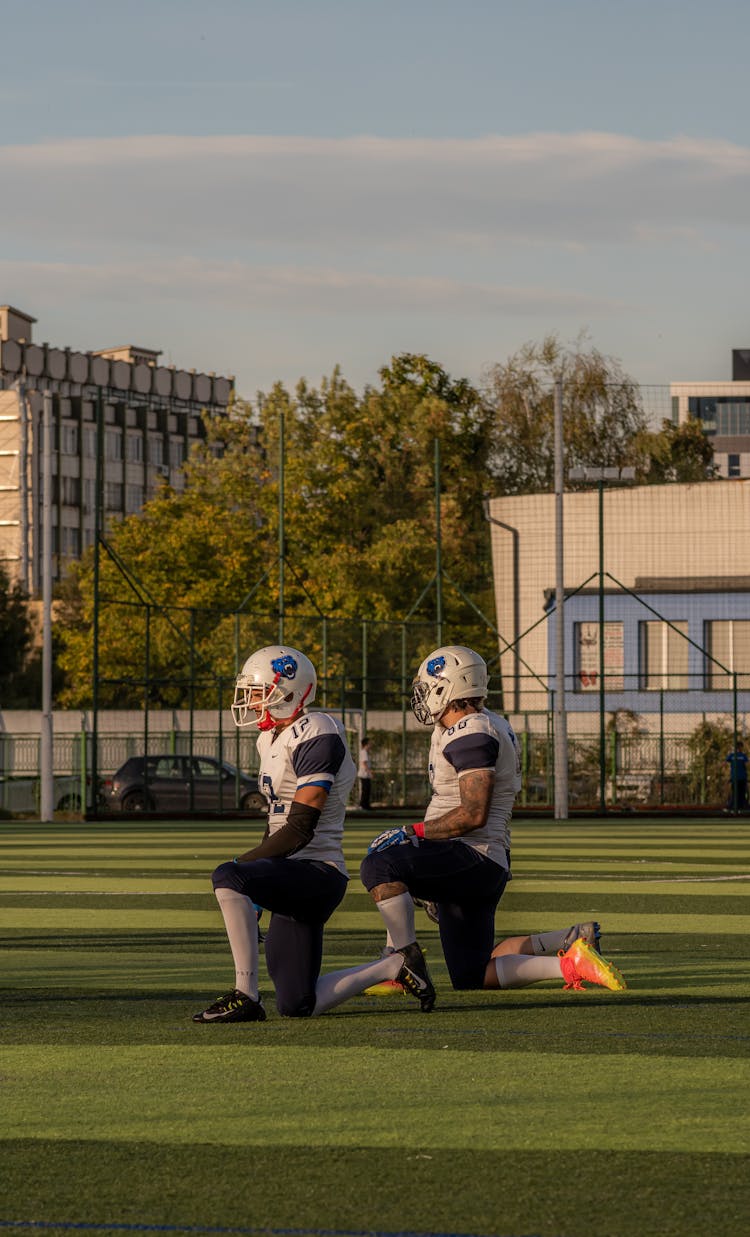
179, 784
23, 793
68, 792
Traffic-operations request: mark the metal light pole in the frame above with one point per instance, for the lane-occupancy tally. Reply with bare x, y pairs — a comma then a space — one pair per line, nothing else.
561, 717
602, 695
282, 550
438, 551
23, 483
602, 477
46, 803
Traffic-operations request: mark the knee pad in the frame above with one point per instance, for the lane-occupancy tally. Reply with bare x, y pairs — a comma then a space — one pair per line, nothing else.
302, 1009
226, 876
380, 868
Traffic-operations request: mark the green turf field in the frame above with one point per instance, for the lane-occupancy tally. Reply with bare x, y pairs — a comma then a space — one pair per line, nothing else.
536, 1112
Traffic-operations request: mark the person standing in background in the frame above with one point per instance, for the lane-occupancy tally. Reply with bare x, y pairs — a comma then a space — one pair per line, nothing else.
737, 761
364, 773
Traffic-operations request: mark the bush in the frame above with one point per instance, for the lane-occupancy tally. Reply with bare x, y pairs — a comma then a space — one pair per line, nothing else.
708, 777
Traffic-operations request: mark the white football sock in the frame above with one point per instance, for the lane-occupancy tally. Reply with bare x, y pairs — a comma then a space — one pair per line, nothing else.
520, 970
548, 942
398, 917
338, 986
388, 947
241, 922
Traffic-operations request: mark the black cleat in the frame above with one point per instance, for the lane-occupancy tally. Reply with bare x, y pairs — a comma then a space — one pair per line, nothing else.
236, 1006
430, 909
415, 977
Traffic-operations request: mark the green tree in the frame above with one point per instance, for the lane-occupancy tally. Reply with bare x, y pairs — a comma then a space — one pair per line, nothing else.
602, 413
359, 539
674, 453
20, 664
167, 575
708, 775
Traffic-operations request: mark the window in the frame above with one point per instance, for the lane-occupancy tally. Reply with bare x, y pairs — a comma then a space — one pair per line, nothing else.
664, 656
133, 498
135, 448
89, 493
70, 491
176, 453
733, 466
155, 451
71, 542
113, 445
733, 417
587, 657
89, 442
728, 642
68, 439
205, 768
113, 495
721, 414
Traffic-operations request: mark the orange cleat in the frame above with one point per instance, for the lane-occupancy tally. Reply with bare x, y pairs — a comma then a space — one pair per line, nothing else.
581, 962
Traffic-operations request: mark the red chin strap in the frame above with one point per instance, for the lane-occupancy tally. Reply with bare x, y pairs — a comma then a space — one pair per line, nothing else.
268, 722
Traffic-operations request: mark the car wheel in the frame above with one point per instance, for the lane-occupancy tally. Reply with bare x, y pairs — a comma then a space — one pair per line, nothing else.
136, 801
254, 802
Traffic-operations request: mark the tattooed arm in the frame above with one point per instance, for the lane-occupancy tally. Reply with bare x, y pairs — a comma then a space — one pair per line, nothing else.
476, 788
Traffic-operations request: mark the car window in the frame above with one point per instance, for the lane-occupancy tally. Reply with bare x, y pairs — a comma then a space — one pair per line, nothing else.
164, 766
205, 768
168, 766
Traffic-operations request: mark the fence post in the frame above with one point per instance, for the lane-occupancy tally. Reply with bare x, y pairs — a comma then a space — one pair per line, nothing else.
735, 764
82, 766
404, 746
147, 660
561, 718
324, 635
363, 700
602, 701
550, 755
661, 745
524, 766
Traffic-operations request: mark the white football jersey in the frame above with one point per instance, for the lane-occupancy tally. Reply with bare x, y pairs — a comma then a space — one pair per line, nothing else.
478, 741
311, 752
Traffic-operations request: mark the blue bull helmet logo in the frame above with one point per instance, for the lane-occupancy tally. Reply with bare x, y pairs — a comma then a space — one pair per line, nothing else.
285, 667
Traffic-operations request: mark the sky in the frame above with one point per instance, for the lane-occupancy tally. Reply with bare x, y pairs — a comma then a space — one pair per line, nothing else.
270, 190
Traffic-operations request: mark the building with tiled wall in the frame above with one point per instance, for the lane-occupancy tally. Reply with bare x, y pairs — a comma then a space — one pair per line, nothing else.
150, 413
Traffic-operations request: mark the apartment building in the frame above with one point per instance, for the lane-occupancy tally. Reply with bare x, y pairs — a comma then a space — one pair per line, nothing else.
145, 415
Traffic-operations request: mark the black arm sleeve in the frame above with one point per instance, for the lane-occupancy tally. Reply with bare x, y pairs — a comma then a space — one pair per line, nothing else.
294, 834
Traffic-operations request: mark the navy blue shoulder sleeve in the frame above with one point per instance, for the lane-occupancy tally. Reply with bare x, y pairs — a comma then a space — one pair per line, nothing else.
477, 750
321, 754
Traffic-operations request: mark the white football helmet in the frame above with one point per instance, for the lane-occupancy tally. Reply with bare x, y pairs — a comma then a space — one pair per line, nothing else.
275, 684
450, 673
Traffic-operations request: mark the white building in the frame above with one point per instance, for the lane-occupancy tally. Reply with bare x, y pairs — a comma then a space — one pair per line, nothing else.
675, 636
723, 408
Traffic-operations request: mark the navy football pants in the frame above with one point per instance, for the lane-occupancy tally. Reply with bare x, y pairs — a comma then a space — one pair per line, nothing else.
466, 887
301, 895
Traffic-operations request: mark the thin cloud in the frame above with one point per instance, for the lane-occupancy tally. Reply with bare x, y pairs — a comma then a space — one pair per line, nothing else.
324, 194
289, 288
